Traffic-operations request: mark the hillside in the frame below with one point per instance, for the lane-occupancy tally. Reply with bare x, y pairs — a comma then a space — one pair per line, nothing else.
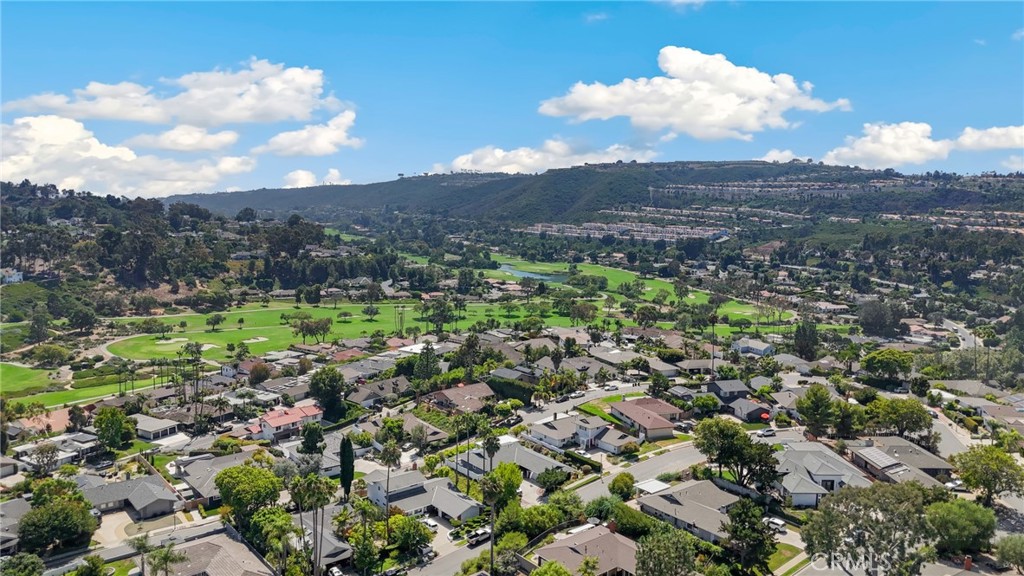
577, 193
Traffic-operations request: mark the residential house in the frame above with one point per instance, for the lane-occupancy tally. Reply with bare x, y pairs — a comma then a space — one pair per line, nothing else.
616, 554
330, 460
333, 550
975, 388
415, 495
410, 421
149, 428
979, 406
728, 390
749, 411
464, 398
11, 512
612, 441
809, 470
907, 453
11, 276
10, 466
659, 407
71, 448
476, 462
200, 474
284, 423
371, 394
664, 368
146, 496
567, 431
222, 553
699, 507
753, 346
614, 357
888, 469
650, 425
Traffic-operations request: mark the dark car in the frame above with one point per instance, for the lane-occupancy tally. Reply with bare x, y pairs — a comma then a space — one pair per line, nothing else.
562, 398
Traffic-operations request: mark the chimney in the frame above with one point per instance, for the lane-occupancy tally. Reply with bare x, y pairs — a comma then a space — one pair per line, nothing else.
614, 527
968, 562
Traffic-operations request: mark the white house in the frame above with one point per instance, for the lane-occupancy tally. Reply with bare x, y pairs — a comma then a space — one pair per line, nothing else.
11, 276
809, 470
753, 346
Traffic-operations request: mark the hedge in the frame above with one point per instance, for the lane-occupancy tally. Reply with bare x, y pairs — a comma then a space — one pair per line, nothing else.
594, 465
511, 389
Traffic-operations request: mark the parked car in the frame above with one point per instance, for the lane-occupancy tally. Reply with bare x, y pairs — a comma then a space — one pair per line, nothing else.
407, 446
430, 523
610, 387
477, 536
777, 523
956, 486
766, 432
683, 426
562, 398
334, 571
428, 552
933, 413
577, 394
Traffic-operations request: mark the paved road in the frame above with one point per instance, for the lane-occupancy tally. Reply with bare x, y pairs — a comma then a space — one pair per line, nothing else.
967, 340
449, 563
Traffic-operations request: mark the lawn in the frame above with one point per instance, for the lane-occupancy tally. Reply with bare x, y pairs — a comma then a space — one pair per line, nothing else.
267, 332
20, 379
119, 568
603, 403
783, 553
593, 410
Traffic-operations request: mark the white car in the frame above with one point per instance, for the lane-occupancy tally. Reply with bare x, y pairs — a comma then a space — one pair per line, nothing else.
430, 523
577, 394
766, 432
777, 523
610, 387
334, 571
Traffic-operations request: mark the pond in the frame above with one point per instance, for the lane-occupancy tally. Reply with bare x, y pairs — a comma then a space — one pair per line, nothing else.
553, 278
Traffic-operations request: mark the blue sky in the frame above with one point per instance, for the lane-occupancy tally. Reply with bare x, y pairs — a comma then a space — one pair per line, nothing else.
154, 99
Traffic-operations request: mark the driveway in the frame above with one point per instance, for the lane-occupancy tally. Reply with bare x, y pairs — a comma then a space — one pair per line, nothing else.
111, 532
672, 461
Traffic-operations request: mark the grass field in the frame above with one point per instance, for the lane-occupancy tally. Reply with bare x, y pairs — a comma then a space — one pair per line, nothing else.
783, 553
20, 379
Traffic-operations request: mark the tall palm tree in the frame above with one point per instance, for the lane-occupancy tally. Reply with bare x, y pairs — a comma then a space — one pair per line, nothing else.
278, 535
390, 456
713, 321
312, 494
342, 520
141, 546
491, 489
161, 559
491, 447
220, 405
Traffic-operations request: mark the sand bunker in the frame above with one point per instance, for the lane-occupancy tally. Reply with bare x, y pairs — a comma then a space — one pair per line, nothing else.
209, 346
256, 340
172, 341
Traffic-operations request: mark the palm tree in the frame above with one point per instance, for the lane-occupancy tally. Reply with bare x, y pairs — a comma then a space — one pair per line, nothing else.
491, 489
141, 546
311, 494
161, 559
220, 405
278, 535
713, 320
390, 456
491, 446
341, 521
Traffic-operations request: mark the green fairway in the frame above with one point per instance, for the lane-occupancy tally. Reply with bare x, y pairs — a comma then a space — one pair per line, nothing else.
15, 379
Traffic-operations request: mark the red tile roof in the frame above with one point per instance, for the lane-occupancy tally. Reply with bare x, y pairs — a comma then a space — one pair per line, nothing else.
287, 416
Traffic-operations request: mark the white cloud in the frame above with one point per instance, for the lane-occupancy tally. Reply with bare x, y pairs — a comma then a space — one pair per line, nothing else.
1015, 163
595, 17
62, 151
998, 138
314, 139
334, 177
890, 145
299, 179
776, 155
185, 138
981, 42
260, 92
703, 95
1018, 34
553, 153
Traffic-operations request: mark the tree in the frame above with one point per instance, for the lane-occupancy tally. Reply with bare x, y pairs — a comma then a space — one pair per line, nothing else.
718, 439
905, 415
989, 469
816, 409
427, 364
491, 445
888, 363
919, 386
752, 540
848, 419
57, 490
246, 489
77, 418
622, 486
22, 564
113, 428
962, 527
82, 319
1010, 551
491, 489
552, 479
141, 546
410, 533
50, 355
45, 455
215, 320
705, 404
92, 565
588, 567
390, 456
163, 558
347, 459
882, 527
327, 386
312, 439
665, 553
370, 311
805, 339
511, 478
260, 372
56, 525
312, 493
659, 385
551, 568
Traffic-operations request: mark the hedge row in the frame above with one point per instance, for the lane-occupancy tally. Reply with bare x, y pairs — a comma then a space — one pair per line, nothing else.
511, 389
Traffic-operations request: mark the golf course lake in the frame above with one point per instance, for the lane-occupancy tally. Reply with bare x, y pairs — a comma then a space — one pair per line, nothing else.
555, 278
